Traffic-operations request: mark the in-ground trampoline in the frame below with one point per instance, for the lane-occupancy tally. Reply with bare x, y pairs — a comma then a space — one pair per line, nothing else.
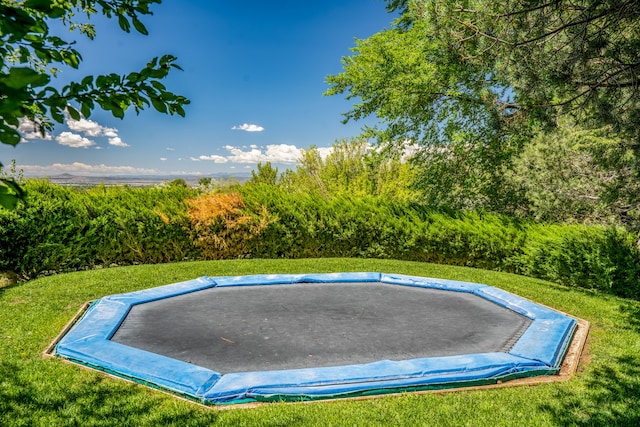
240, 339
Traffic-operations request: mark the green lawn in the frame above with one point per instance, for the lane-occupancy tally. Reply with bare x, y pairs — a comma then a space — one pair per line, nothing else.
43, 391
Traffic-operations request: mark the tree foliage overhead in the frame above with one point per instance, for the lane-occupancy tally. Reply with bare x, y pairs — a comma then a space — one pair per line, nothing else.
474, 81
419, 88
558, 56
421, 91
30, 55
577, 175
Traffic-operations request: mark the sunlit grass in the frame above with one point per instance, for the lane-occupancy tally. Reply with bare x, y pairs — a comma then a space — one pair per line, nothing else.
42, 391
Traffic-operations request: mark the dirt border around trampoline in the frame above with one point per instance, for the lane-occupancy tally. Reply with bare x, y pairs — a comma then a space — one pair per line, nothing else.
574, 357
50, 351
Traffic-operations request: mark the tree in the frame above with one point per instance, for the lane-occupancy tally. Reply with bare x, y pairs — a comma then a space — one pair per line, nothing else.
204, 181
567, 176
578, 57
266, 174
29, 55
473, 81
353, 167
423, 93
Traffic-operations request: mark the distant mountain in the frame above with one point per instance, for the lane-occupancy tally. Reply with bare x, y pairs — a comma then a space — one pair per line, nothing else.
135, 180
63, 176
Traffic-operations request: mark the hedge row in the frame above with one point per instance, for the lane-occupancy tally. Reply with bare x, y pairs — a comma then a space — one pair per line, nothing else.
594, 257
62, 229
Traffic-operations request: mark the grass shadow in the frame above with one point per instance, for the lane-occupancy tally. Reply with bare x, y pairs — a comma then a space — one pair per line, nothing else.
96, 400
631, 312
613, 398
609, 393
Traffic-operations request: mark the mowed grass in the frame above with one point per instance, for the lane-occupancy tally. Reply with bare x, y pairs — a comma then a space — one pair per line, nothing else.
38, 391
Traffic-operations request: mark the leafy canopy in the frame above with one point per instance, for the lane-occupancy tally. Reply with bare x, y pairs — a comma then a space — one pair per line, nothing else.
30, 55
352, 168
473, 81
475, 61
560, 57
422, 91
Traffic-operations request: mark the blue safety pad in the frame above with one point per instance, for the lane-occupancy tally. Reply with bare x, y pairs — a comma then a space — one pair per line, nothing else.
283, 279
426, 282
88, 342
539, 350
548, 336
380, 375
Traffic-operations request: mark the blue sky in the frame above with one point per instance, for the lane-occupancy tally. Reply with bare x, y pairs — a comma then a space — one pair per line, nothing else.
253, 70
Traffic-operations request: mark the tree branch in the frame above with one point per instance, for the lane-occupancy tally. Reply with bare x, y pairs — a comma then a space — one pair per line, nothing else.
477, 30
560, 29
525, 11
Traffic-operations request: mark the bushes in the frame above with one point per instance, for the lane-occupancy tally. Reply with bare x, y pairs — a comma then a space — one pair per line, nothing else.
367, 226
309, 225
603, 258
221, 227
42, 235
62, 228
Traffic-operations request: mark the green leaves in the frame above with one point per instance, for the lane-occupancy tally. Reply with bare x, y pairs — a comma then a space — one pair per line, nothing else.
62, 227
124, 23
9, 135
17, 86
10, 193
126, 12
19, 78
560, 58
52, 9
75, 115
139, 26
26, 41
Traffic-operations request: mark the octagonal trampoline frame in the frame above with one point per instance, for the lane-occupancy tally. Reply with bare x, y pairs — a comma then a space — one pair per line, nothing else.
538, 351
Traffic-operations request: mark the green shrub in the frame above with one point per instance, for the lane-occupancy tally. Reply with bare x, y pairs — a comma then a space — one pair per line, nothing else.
603, 258
312, 225
43, 234
61, 228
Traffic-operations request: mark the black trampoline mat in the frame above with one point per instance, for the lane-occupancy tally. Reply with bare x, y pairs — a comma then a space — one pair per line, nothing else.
275, 327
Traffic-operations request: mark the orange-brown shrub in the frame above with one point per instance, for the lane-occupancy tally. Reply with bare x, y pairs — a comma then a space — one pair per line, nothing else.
223, 226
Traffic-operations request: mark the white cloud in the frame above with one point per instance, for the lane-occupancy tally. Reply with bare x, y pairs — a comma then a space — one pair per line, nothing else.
238, 156
214, 158
324, 152
275, 153
171, 149
29, 130
117, 142
94, 129
84, 169
283, 153
409, 149
164, 159
248, 127
81, 136
74, 140
90, 128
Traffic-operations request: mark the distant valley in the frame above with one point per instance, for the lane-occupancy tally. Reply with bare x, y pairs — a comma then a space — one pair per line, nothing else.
67, 179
